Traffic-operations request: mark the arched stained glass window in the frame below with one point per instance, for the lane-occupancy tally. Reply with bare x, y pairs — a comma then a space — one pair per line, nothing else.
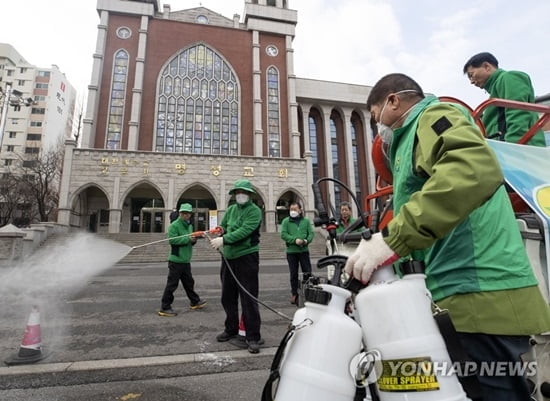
198, 104
273, 109
118, 94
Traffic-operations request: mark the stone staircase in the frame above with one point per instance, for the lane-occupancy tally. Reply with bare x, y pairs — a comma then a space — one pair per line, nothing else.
271, 247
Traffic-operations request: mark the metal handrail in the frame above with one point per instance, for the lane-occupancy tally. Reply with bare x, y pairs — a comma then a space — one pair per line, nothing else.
514, 104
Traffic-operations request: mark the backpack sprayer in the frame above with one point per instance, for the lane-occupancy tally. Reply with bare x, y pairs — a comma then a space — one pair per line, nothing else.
354, 342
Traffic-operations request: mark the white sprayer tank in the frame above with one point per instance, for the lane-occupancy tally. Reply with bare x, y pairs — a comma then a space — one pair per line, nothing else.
317, 358
396, 319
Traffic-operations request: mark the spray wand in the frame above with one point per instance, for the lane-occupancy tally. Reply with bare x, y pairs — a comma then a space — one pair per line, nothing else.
207, 234
195, 234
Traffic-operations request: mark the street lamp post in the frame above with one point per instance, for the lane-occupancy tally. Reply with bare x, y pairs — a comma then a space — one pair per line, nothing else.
4, 112
12, 97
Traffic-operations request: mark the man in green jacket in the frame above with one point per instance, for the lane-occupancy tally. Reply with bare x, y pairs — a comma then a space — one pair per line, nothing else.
451, 211
346, 219
297, 233
239, 244
508, 123
179, 263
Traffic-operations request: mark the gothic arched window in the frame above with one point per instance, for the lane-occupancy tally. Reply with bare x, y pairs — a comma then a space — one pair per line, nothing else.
118, 94
197, 104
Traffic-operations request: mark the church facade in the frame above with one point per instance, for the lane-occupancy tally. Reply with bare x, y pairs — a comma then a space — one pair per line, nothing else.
183, 103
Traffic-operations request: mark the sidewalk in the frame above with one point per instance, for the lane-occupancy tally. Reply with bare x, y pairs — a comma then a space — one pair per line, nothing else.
110, 370
110, 331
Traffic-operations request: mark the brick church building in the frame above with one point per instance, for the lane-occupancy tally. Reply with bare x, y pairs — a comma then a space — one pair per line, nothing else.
183, 103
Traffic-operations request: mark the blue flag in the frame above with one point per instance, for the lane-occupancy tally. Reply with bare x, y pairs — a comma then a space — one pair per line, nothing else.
527, 170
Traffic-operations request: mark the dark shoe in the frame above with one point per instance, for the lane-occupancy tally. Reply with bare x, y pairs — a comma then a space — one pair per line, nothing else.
167, 312
225, 336
198, 305
240, 342
294, 300
253, 347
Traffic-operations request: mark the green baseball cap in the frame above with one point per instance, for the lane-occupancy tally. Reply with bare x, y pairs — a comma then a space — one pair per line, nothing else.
243, 185
186, 207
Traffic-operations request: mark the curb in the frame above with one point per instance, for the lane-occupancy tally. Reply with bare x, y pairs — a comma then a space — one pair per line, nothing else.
145, 368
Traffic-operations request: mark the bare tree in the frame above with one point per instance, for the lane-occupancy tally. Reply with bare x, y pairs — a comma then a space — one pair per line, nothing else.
34, 185
77, 131
11, 199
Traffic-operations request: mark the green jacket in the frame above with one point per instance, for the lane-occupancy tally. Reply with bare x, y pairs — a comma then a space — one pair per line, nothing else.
181, 249
292, 229
452, 211
511, 85
341, 227
241, 225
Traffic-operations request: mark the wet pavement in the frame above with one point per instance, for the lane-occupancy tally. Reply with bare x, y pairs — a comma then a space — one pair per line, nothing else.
109, 330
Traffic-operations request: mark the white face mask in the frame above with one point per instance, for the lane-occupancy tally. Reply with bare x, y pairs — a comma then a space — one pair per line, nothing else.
294, 214
241, 199
385, 132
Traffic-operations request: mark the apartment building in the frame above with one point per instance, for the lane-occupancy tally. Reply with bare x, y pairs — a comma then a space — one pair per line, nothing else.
39, 112
36, 109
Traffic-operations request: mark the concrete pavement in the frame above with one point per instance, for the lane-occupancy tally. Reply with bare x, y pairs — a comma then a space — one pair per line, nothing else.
109, 330
232, 386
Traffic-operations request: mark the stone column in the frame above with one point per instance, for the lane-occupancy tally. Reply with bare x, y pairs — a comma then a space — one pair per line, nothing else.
114, 220
309, 203
172, 202
270, 212
328, 152
135, 117
257, 95
88, 128
64, 210
293, 105
350, 163
115, 212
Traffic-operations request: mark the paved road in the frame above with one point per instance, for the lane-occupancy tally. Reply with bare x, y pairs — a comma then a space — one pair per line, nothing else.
237, 386
109, 330
114, 316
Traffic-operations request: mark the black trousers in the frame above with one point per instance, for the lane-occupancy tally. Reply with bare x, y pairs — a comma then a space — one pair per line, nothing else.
179, 272
295, 260
486, 350
246, 269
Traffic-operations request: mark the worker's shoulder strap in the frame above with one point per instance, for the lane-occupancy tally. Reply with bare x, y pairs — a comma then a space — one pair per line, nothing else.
501, 123
470, 383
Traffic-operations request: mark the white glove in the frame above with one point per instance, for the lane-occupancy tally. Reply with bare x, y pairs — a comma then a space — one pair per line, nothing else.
216, 243
368, 256
299, 241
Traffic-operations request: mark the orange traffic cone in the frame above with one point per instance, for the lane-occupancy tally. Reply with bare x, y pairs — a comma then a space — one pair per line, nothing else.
31, 345
240, 340
242, 330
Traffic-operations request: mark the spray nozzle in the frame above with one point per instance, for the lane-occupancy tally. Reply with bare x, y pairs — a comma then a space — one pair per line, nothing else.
353, 285
317, 295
